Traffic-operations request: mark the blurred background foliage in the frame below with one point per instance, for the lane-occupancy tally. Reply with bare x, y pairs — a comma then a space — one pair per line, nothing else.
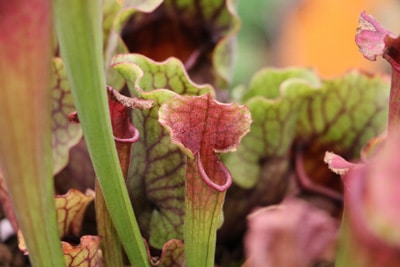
311, 33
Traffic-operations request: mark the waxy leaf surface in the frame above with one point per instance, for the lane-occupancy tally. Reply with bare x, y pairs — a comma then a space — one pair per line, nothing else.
71, 208
157, 170
65, 134
86, 254
202, 127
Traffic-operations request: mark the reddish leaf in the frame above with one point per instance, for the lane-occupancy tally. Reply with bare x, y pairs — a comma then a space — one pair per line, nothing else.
202, 126
123, 129
124, 132
337, 164
70, 211
374, 40
172, 255
291, 234
371, 37
84, 255
381, 196
157, 173
372, 200
341, 166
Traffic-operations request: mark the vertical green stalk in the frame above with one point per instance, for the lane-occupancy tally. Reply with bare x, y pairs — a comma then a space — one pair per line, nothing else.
25, 125
203, 207
78, 26
110, 243
112, 249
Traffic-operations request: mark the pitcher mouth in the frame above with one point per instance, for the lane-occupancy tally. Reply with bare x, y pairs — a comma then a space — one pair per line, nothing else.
219, 187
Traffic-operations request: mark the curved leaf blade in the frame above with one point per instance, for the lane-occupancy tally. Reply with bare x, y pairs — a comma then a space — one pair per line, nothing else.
157, 169
78, 26
25, 124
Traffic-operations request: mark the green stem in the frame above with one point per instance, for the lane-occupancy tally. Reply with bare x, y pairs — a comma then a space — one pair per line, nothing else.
110, 243
203, 209
78, 26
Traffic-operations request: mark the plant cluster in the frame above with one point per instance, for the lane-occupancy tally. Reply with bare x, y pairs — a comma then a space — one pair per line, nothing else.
128, 104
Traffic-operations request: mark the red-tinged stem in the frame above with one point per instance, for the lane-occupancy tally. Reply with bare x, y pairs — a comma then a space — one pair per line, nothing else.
112, 248
391, 54
394, 102
110, 243
25, 124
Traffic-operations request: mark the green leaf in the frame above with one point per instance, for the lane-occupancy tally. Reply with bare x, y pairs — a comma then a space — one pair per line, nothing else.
275, 99
271, 82
172, 254
157, 170
78, 26
342, 116
84, 254
303, 117
199, 33
261, 166
65, 134
71, 210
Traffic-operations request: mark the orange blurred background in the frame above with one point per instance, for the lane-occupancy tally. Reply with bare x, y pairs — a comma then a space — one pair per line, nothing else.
312, 33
